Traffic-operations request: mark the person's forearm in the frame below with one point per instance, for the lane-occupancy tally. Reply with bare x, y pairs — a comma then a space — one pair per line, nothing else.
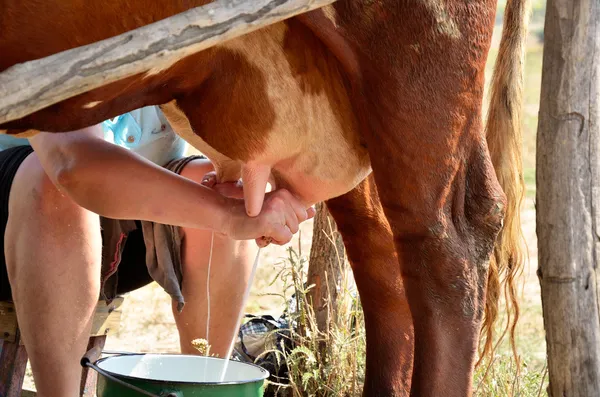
115, 183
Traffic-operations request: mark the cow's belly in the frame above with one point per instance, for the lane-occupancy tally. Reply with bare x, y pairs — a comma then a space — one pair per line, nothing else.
280, 104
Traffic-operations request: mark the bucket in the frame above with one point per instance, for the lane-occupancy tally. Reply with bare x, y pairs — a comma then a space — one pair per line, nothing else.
174, 375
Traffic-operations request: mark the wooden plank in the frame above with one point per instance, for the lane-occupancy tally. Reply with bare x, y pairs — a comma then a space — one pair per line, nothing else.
568, 195
13, 363
89, 377
325, 266
34, 85
106, 319
8, 321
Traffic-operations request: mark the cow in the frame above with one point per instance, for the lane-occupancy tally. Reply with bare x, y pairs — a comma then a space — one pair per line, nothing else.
373, 106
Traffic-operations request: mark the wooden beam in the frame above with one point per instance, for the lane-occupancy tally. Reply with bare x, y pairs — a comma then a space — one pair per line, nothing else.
325, 267
31, 86
13, 364
106, 321
8, 322
568, 196
107, 318
89, 377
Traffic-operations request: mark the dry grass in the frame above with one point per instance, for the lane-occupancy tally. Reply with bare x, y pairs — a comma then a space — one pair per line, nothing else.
321, 362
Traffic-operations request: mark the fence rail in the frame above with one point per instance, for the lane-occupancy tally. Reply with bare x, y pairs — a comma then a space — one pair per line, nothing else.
31, 86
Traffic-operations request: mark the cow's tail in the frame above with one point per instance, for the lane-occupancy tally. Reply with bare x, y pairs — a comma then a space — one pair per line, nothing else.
503, 133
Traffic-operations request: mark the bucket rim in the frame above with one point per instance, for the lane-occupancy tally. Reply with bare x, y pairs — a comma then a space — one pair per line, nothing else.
265, 373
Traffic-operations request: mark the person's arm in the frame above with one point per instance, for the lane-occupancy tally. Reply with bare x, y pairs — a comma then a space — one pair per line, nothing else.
116, 183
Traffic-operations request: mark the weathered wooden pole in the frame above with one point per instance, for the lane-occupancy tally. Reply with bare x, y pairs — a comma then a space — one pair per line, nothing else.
568, 195
325, 267
34, 85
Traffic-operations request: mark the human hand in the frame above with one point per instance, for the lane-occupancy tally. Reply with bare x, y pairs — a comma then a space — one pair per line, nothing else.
278, 221
227, 189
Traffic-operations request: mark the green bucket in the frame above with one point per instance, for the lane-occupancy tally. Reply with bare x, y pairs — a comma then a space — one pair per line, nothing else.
174, 375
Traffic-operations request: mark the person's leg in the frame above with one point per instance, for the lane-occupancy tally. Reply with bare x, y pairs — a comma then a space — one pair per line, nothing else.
230, 270
53, 255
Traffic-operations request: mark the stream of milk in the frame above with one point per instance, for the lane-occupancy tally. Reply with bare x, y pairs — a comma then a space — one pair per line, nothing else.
240, 314
212, 241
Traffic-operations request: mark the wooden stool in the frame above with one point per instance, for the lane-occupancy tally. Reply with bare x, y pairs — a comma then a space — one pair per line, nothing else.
13, 357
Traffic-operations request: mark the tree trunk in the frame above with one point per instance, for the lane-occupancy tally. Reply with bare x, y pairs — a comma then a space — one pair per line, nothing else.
568, 195
325, 266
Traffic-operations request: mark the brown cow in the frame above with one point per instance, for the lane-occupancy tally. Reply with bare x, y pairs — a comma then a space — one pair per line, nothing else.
315, 102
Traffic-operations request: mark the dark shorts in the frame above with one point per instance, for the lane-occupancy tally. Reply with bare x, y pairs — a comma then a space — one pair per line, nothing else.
132, 271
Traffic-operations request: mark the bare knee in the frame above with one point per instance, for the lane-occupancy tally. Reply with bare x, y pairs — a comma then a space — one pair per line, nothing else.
32, 192
35, 204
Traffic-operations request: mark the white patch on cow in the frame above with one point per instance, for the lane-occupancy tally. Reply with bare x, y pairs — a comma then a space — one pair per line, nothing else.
311, 142
93, 104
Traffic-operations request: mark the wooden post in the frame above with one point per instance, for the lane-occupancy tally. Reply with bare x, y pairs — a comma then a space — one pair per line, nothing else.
568, 195
34, 85
13, 363
89, 377
325, 266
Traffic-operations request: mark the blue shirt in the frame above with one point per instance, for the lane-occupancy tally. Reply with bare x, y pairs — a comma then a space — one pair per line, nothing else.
144, 131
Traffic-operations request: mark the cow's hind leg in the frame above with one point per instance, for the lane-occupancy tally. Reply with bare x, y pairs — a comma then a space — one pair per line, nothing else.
419, 95
444, 218
444, 247
370, 248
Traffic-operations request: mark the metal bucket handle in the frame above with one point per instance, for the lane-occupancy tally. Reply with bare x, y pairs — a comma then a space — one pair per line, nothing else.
89, 360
